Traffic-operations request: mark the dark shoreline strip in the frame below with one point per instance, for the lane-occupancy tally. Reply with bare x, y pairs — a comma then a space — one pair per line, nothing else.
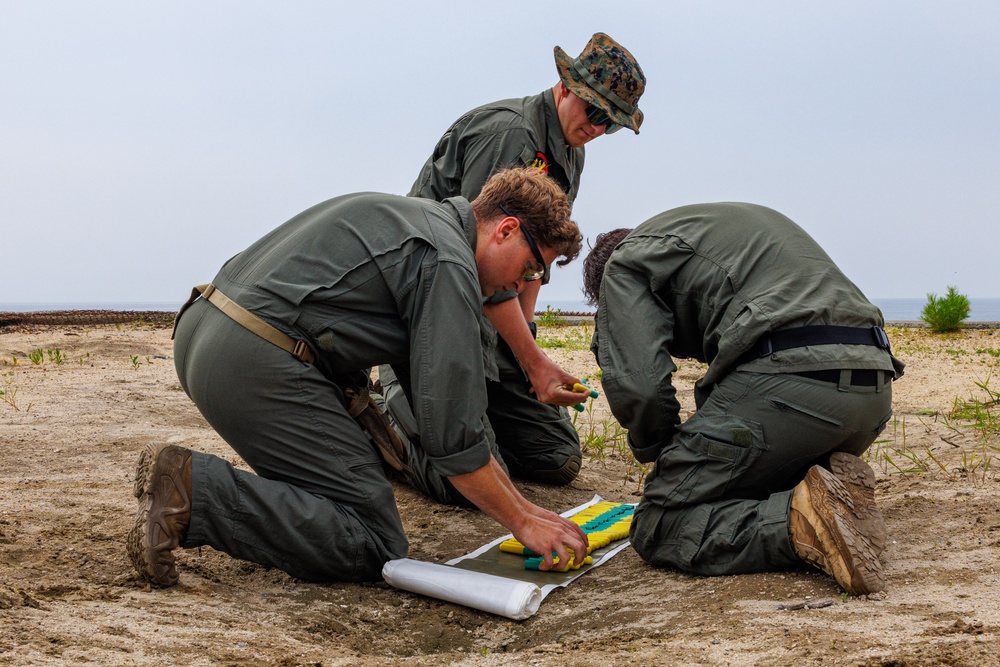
85, 317
166, 317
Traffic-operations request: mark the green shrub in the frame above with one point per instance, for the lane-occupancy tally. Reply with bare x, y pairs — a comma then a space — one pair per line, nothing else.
946, 313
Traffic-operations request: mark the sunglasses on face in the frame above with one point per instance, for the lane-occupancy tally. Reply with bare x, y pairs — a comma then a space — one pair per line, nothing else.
598, 116
529, 275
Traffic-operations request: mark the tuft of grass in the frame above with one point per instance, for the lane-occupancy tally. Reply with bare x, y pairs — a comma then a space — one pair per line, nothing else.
550, 318
946, 313
893, 456
577, 339
605, 438
8, 392
980, 412
36, 356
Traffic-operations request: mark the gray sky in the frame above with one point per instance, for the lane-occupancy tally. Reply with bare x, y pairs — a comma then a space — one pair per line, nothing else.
142, 144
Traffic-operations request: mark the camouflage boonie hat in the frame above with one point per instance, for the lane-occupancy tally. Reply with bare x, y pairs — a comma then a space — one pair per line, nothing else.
607, 76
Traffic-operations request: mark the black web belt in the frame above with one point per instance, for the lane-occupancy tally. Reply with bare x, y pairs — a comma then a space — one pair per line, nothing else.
822, 334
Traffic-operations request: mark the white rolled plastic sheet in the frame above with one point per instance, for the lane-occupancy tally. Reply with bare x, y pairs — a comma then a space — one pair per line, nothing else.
497, 595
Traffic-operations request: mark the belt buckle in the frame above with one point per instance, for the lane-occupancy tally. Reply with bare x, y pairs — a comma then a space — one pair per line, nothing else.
881, 339
301, 351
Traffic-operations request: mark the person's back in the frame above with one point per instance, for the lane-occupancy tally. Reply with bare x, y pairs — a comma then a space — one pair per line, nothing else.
765, 474
731, 272
522, 131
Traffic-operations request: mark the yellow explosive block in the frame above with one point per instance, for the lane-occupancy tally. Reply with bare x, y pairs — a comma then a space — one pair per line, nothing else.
604, 522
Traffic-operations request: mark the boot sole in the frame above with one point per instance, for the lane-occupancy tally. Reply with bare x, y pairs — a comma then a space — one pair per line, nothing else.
561, 476
143, 481
859, 479
849, 553
138, 543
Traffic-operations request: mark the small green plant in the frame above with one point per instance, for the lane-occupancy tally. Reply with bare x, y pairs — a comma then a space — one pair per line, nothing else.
550, 318
56, 356
85, 357
8, 392
606, 437
36, 356
946, 313
135, 361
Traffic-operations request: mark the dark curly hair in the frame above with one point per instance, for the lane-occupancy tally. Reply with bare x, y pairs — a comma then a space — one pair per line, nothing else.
593, 265
539, 204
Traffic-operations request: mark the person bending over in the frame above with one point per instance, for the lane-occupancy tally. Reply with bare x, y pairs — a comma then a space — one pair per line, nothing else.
766, 474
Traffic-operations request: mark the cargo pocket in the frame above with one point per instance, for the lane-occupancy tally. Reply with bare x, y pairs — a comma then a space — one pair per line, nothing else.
703, 459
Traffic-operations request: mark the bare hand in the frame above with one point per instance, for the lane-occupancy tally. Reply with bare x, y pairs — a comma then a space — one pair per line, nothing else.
541, 530
548, 381
546, 532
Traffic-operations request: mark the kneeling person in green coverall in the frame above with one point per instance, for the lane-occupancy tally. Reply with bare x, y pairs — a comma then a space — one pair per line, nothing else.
289, 327
766, 474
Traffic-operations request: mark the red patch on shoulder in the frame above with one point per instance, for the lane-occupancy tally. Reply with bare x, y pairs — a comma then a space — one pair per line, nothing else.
541, 163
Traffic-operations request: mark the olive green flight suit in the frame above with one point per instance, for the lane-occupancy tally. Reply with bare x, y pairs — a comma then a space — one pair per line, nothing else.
533, 437
706, 282
363, 279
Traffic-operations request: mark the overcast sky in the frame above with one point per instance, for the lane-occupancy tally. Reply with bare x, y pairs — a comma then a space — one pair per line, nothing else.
144, 143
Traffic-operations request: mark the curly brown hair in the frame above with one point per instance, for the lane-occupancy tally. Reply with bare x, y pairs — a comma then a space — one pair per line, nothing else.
597, 258
537, 202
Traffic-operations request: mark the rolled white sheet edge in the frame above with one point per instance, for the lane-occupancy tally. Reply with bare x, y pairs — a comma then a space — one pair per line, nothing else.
497, 595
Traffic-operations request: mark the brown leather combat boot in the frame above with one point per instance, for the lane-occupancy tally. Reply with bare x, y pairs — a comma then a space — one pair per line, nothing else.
163, 487
826, 534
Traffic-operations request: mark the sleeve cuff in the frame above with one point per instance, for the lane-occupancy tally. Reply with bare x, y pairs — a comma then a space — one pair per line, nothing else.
644, 454
463, 462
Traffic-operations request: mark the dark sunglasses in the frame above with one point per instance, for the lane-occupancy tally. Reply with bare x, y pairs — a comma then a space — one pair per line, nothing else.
598, 116
534, 275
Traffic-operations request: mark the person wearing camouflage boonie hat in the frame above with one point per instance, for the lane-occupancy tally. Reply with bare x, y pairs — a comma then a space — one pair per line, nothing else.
597, 94
607, 76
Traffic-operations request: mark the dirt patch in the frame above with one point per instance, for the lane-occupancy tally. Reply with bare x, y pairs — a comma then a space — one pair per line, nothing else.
70, 433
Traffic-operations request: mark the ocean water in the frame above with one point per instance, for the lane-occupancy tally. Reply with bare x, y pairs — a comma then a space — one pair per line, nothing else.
894, 310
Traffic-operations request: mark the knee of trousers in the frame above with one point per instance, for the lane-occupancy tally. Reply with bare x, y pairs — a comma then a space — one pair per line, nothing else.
558, 465
369, 556
668, 538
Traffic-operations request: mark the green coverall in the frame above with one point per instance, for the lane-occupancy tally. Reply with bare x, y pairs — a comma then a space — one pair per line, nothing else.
531, 436
706, 282
363, 279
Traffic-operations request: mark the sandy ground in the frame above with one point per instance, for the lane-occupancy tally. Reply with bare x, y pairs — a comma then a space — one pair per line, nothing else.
70, 433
